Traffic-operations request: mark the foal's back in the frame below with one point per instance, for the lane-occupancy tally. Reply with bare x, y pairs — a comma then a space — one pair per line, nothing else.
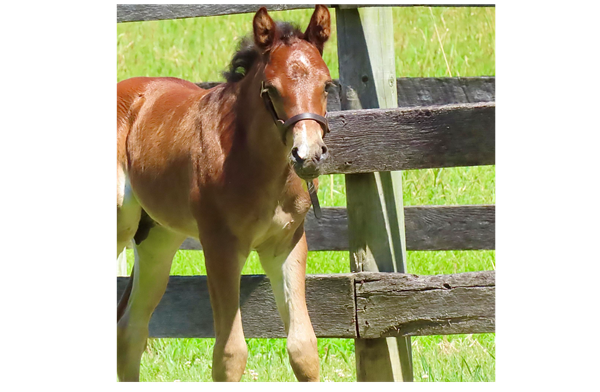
156, 120
147, 104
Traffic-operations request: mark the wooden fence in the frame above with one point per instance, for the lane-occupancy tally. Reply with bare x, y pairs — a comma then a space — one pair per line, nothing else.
430, 123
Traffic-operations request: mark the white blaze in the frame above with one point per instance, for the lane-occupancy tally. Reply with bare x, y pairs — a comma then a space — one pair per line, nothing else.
303, 148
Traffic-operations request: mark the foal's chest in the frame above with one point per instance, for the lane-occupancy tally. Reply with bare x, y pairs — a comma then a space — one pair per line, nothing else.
282, 225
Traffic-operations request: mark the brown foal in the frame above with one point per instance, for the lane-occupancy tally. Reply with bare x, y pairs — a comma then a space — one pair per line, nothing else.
226, 166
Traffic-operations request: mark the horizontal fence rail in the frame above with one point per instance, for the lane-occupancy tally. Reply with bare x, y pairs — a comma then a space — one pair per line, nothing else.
423, 91
145, 12
427, 228
390, 304
372, 140
362, 305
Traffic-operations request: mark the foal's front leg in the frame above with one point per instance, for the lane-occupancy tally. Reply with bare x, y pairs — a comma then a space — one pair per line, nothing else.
286, 268
224, 262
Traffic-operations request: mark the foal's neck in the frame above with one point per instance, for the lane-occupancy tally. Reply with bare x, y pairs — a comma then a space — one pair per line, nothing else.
257, 137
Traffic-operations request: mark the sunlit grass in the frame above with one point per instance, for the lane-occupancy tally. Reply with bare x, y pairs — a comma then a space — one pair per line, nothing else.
198, 49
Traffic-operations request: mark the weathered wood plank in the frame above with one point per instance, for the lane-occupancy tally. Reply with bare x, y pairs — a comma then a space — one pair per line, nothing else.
145, 12
444, 91
328, 233
423, 91
411, 138
410, 305
387, 304
470, 227
185, 311
450, 227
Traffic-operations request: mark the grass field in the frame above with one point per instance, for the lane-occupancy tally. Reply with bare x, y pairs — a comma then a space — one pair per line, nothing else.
199, 50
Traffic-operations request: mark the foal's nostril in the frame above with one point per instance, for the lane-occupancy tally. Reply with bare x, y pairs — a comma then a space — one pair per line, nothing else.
296, 156
323, 154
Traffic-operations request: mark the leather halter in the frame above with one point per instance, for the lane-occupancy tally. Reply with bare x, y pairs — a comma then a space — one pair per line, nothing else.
284, 126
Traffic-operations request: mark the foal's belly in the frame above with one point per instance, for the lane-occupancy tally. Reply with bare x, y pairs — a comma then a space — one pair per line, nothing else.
165, 205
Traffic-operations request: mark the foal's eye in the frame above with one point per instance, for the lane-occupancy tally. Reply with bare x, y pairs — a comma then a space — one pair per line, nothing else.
272, 90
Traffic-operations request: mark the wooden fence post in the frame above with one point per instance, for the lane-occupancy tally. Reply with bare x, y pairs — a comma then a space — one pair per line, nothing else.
374, 200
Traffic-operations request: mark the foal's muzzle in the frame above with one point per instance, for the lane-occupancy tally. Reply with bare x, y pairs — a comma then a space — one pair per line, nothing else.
308, 153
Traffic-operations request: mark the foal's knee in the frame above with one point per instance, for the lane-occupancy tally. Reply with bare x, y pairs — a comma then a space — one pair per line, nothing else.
304, 356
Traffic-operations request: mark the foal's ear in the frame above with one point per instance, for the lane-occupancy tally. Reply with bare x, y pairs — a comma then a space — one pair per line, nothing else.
319, 28
264, 29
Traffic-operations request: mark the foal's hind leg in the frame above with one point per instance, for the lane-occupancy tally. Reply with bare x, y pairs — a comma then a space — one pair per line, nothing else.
128, 211
152, 266
286, 269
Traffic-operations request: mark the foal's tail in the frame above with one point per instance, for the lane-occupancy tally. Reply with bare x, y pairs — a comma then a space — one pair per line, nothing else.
125, 297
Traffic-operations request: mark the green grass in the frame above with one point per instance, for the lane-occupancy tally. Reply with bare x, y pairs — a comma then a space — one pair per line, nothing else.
199, 50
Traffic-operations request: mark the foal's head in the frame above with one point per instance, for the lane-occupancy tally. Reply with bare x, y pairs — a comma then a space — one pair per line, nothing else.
294, 86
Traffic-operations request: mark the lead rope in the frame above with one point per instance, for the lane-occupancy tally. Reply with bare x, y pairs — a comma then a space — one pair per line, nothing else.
314, 199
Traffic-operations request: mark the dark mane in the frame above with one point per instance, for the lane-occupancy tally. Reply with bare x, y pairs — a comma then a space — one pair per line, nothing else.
247, 53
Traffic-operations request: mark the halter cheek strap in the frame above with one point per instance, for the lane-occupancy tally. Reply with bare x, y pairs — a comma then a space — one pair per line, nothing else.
284, 126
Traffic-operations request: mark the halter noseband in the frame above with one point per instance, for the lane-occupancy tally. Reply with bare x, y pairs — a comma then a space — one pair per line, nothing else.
285, 125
